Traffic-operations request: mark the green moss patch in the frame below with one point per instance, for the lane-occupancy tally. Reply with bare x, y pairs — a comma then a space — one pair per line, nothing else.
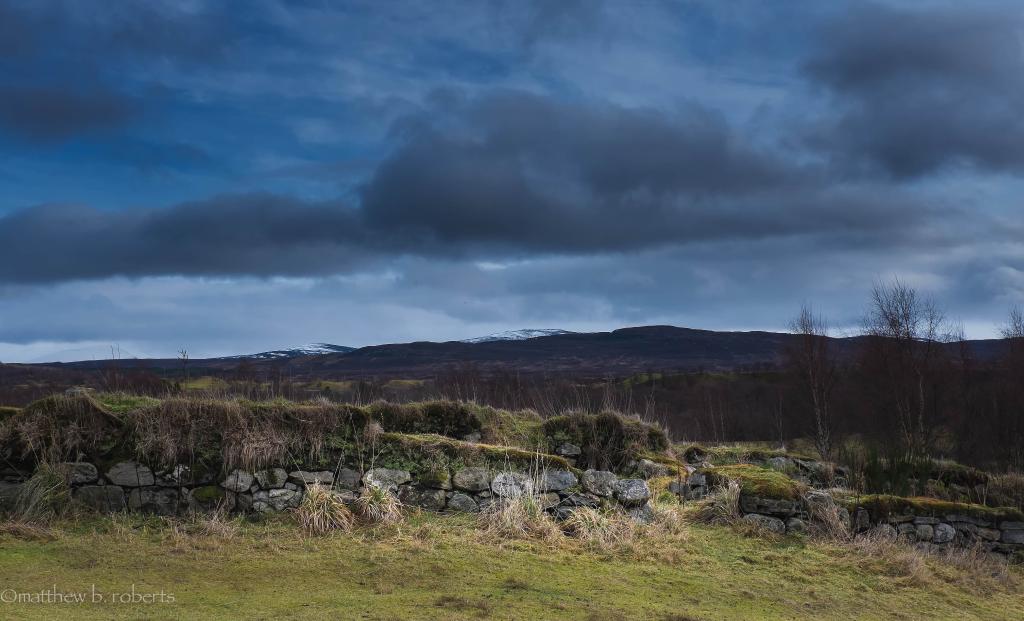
882, 506
758, 481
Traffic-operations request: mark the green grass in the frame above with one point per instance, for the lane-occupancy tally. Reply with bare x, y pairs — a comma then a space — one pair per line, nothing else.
120, 403
205, 382
739, 453
437, 567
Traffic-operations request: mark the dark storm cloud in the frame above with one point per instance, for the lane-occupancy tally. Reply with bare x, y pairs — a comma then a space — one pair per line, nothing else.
508, 175
52, 114
252, 234
922, 89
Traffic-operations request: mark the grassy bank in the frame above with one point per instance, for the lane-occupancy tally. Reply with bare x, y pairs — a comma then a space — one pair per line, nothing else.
445, 567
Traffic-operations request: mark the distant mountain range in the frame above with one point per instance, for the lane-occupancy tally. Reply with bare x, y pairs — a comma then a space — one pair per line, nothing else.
313, 349
592, 354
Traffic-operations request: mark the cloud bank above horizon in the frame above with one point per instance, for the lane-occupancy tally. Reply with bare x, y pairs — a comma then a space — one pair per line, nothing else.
236, 177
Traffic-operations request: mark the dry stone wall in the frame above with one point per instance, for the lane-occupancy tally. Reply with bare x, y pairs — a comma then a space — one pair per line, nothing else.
134, 486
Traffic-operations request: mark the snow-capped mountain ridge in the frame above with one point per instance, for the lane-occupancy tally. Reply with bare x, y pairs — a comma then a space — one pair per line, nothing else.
517, 335
313, 349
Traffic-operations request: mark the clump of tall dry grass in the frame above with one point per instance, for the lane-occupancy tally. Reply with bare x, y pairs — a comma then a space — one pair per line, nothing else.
45, 495
323, 511
376, 505
520, 517
722, 506
599, 528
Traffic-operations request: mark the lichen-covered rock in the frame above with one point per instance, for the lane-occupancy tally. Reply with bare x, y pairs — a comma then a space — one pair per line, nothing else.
210, 497
103, 498
599, 482
130, 474
651, 469
568, 450
861, 520
885, 532
425, 498
943, 533
271, 478
462, 503
643, 514
158, 500
386, 478
632, 492
924, 532
579, 500
347, 479
768, 506
437, 479
304, 478
279, 499
988, 534
81, 473
238, 481
472, 479
557, 480
548, 500
796, 526
767, 522
243, 503
511, 485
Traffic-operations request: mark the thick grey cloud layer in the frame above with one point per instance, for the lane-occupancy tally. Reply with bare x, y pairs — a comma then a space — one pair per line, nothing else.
383, 171
918, 90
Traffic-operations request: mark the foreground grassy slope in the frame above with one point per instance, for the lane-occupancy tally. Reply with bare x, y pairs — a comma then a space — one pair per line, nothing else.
441, 567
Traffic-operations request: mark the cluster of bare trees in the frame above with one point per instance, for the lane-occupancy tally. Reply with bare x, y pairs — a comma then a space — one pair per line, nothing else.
913, 382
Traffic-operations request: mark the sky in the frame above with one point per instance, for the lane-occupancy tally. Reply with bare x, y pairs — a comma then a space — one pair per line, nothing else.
231, 177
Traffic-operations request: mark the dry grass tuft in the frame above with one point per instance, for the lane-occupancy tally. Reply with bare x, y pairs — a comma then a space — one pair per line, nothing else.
600, 529
322, 511
521, 517
45, 495
376, 505
722, 506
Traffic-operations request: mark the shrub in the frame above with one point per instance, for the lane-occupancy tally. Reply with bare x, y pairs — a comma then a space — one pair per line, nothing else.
608, 441
323, 511
60, 427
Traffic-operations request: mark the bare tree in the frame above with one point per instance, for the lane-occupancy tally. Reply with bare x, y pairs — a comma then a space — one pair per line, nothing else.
815, 367
909, 346
183, 357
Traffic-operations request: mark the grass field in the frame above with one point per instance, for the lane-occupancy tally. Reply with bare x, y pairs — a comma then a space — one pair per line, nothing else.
433, 567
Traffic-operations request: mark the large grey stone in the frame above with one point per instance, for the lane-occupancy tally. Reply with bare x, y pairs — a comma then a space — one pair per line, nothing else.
104, 498
238, 481
643, 514
425, 498
438, 478
347, 479
632, 492
462, 503
943, 533
386, 478
472, 479
796, 525
158, 500
599, 482
9, 494
81, 473
650, 469
511, 485
271, 478
924, 532
567, 449
1011, 535
304, 478
768, 506
130, 474
886, 532
279, 499
557, 480
766, 522
209, 498
579, 500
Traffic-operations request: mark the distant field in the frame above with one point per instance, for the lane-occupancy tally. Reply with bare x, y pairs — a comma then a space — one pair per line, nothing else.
443, 567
